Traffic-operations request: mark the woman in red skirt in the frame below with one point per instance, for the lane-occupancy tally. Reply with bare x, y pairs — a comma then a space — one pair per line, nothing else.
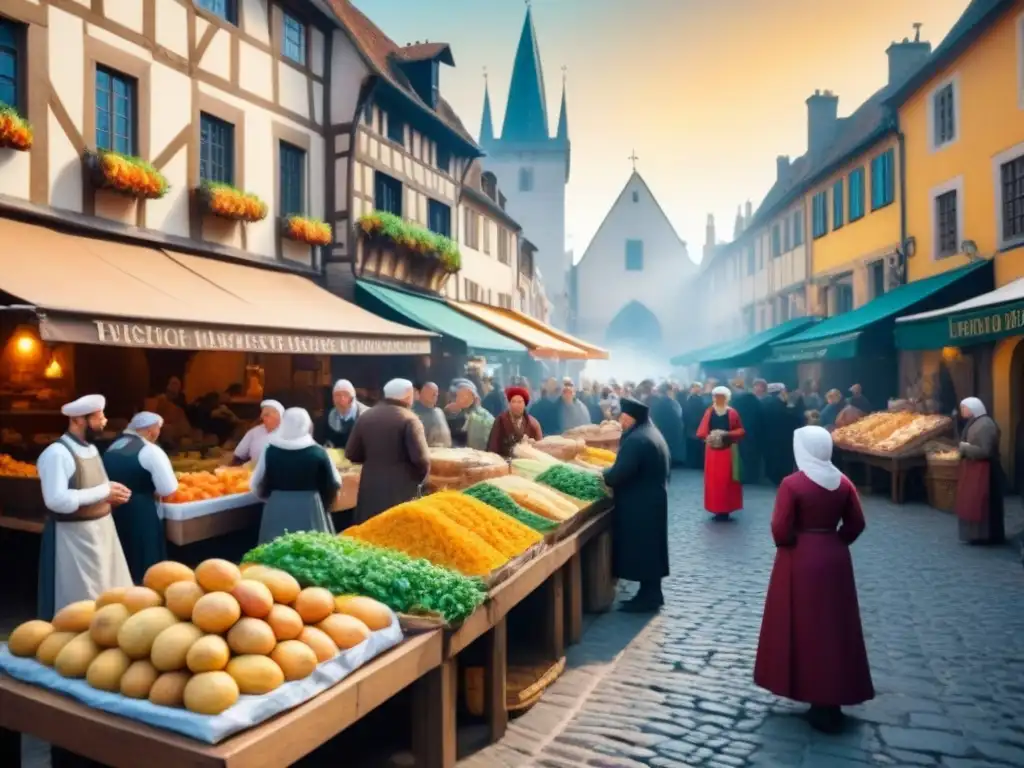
812, 645
721, 429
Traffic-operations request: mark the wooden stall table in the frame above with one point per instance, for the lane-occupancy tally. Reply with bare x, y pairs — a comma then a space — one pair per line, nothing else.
558, 572
198, 521
899, 467
21, 504
122, 743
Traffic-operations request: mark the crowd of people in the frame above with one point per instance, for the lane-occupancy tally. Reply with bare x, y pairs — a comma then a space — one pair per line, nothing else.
811, 645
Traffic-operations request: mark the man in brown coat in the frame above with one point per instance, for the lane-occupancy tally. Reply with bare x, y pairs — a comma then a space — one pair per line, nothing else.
388, 440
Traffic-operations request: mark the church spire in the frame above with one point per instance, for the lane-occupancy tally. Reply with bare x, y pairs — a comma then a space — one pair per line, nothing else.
486, 122
526, 114
563, 115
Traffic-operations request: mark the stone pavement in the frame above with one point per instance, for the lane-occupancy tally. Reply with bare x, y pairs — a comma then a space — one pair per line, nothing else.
945, 633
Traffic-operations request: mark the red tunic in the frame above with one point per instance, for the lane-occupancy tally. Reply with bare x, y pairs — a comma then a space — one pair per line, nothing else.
722, 494
812, 645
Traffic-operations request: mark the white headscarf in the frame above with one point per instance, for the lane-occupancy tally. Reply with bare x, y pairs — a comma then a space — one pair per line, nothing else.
344, 385
397, 389
812, 448
974, 405
274, 404
295, 432
722, 392
145, 420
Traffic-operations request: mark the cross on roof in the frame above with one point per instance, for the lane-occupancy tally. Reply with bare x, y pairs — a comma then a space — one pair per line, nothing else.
633, 158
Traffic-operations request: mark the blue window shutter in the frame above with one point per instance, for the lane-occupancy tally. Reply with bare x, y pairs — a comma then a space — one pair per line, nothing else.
292, 179
837, 204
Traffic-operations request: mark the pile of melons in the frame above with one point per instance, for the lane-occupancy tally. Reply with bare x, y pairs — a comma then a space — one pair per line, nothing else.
198, 639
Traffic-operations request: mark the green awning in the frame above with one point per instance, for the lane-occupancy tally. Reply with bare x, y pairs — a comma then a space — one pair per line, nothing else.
993, 315
855, 333
435, 315
753, 349
696, 355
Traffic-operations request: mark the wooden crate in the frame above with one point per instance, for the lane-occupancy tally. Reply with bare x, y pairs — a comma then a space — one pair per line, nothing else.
598, 582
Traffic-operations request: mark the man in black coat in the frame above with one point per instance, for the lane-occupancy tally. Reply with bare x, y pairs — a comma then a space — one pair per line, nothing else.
780, 422
693, 414
639, 479
667, 416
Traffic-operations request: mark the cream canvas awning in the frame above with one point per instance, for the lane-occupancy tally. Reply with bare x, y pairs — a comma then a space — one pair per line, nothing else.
93, 291
540, 343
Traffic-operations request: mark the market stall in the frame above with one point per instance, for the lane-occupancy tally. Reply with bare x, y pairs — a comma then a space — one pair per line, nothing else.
403, 600
891, 441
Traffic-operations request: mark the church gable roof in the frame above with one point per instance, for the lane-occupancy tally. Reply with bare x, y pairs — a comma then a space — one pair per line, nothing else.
526, 114
635, 183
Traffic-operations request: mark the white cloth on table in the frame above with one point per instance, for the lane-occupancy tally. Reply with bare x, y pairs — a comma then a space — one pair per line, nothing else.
89, 559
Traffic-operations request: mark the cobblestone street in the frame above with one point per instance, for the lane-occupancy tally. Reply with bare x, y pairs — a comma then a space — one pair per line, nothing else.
945, 633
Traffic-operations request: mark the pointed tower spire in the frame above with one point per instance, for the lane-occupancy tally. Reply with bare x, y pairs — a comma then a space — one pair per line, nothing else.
563, 114
740, 223
486, 123
526, 114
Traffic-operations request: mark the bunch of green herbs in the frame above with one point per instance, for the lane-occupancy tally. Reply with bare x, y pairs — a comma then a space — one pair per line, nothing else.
573, 482
345, 566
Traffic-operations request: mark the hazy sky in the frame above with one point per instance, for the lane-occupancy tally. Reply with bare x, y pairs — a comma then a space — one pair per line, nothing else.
708, 92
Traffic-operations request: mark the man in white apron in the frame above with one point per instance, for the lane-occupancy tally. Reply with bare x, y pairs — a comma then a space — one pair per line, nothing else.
81, 555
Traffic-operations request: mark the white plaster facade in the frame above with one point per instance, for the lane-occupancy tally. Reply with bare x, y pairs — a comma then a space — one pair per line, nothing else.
608, 279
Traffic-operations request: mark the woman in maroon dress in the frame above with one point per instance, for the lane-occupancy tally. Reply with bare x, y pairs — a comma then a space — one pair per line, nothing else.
812, 645
721, 430
514, 425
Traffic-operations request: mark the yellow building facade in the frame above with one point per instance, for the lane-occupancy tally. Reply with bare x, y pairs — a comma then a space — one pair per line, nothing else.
962, 118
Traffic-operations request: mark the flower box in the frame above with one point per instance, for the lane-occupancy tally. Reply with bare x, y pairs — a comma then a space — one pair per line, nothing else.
306, 230
15, 132
412, 237
125, 175
226, 202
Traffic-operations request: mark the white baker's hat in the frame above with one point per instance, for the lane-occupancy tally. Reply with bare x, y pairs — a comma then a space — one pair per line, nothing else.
84, 406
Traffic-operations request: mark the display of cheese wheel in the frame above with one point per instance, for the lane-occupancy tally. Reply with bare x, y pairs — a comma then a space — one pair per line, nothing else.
216, 575
106, 623
255, 675
169, 689
296, 659
210, 693
171, 646
251, 636
111, 596
138, 679
52, 645
74, 658
314, 604
26, 638
208, 654
181, 597
254, 598
216, 612
373, 614
140, 598
136, 635
160, 576
283, 586
346, 631
75, 617
107, 669
320, 642
285, 621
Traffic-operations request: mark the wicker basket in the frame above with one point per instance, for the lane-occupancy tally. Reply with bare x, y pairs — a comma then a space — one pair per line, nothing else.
524, 685
941, 480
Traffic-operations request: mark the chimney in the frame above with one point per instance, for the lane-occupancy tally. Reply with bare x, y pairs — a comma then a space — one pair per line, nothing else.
748, 214
739, 225
709, 237
822, 113
781, 167
907, 56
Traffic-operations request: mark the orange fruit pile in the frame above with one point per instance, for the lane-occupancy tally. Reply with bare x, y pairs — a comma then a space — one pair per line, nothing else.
200, 486
14, 131
11, 467
309, 231
128, 175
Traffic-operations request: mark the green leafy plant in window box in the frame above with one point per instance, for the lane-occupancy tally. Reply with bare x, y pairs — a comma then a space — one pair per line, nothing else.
227, 202
304, 229
388, 226
15, 131
126, 175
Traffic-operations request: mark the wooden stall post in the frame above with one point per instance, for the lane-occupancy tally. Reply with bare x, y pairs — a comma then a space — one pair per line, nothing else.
554, 615
495, 676
435, 698
598, 584
572, 577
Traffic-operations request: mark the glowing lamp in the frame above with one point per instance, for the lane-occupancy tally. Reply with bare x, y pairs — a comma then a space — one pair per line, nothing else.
53, 370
